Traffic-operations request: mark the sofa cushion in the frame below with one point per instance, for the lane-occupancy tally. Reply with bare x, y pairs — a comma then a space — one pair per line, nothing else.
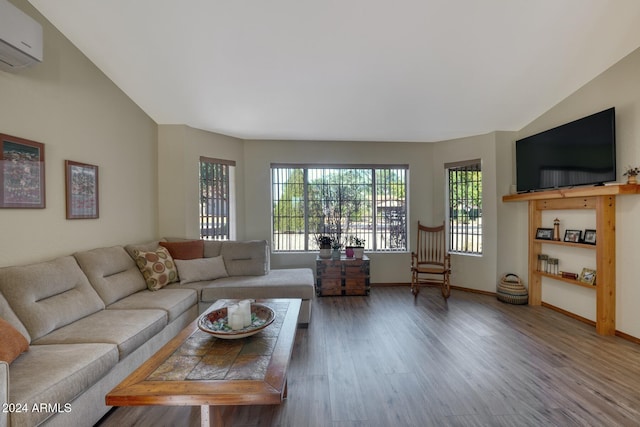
111, 272
173, 301
8, 314
157, 268
195, 270
56, 374
284, 283
49, 295
250, 258
127, 329
190, 249
12, 342
212, 248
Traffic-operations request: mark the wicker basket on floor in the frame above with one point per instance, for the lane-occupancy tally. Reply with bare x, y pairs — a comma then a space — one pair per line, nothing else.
511, 290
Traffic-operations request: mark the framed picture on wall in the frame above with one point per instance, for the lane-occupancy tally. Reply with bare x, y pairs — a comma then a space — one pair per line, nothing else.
22, 179
81, 190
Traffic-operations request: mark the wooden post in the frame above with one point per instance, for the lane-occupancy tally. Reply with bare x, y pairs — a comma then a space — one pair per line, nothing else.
606, 265
535, 280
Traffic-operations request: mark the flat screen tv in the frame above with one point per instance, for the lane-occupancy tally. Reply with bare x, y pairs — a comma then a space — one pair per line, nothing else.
582, 152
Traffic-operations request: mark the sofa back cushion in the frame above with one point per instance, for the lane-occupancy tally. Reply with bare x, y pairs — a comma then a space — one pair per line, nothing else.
212, 248
112, 272
250, 258
7, 313
49, 295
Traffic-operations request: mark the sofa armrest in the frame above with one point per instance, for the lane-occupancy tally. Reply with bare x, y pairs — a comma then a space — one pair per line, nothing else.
4, 392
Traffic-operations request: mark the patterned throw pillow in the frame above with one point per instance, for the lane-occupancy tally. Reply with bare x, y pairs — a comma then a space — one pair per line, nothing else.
157, 267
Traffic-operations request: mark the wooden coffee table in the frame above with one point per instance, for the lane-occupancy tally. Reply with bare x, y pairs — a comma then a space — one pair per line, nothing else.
197, 369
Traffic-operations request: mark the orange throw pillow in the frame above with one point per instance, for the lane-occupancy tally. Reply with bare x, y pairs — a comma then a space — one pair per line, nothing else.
12, 342
185, 250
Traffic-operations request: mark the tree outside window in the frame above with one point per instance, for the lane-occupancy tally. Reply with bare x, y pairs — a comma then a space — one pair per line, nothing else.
340, 202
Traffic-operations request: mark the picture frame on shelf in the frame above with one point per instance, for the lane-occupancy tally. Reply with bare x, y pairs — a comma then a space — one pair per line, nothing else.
81, 190
588, 276
572, 236
589, 237
22, 175
544, 234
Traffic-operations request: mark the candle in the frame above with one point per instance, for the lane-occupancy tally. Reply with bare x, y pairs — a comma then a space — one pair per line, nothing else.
234, 317
245, 310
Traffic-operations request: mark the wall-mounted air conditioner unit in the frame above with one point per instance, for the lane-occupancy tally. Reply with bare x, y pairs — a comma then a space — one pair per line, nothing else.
20, 38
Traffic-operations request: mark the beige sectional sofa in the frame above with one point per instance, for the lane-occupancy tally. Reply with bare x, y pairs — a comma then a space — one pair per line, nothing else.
90, 319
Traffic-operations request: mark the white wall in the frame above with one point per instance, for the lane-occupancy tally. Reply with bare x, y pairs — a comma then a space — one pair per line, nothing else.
475, 272
79, 114
512, 223
385, 268
618, 87
180, 147
179, 151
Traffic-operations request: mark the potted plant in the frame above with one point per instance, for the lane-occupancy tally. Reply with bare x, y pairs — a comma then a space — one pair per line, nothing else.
632, 174
324, 243
336, 245
357, 246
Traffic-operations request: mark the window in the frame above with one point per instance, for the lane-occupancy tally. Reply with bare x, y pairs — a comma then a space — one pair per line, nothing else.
368, 202
216, 192
465, 207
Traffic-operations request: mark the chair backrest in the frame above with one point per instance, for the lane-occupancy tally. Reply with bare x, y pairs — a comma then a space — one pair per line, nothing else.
431, 246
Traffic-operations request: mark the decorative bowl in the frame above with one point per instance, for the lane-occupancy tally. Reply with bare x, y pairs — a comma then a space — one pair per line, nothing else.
216, 323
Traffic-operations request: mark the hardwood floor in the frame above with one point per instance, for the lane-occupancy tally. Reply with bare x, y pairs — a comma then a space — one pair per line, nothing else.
385, 360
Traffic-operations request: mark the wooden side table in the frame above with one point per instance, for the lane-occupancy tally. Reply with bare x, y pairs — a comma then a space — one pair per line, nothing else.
346, 276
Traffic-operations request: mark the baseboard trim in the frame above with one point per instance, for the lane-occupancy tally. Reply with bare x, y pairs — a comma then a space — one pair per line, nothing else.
569, 314
386, 285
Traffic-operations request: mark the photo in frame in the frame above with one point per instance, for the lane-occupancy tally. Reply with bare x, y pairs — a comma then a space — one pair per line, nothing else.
588, 276
589, 237
22, 177
81, 190
544, 233
572, 236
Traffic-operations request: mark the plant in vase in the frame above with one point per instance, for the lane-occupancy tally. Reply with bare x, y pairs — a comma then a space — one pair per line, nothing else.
336, 245
632, 174
325, 244
357, 246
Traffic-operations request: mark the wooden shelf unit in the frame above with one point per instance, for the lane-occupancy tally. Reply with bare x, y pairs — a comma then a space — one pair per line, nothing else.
601, 199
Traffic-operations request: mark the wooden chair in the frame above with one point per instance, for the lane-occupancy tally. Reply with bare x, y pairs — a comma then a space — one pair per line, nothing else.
431, 263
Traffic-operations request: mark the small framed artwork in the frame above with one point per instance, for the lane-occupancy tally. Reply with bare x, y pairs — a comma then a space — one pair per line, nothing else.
590, 237
22, 175
572, 236
544, 234
81, 190
588, 276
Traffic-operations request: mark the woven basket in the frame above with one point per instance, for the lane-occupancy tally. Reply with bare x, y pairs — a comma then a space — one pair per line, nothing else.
511, 290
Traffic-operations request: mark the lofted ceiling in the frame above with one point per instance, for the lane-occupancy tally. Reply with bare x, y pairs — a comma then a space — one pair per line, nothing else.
367, 70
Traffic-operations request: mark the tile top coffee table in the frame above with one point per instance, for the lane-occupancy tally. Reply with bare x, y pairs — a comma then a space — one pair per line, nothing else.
197, 369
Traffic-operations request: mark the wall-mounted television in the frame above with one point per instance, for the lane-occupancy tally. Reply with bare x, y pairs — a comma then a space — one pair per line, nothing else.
582, 152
